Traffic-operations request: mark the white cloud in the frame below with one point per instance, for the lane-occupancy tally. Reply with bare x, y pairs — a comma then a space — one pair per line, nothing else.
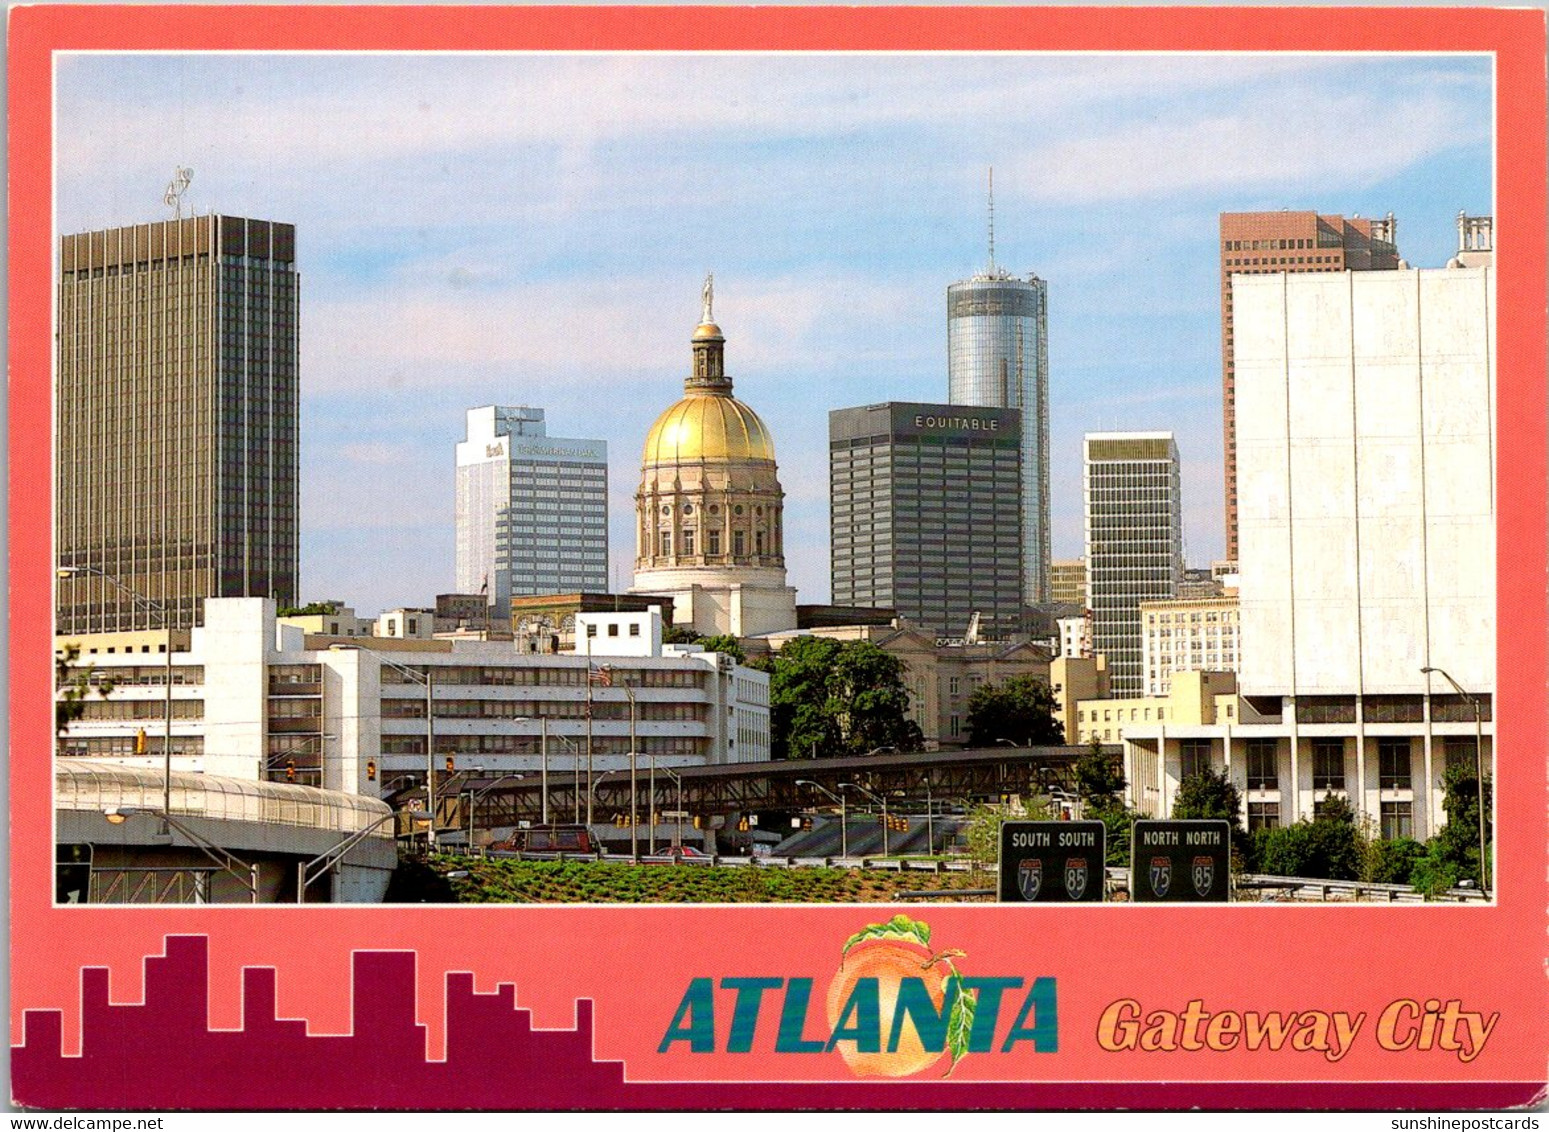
565, 332
1292, 142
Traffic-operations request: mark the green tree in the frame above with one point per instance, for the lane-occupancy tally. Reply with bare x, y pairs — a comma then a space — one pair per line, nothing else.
1099, 777
678, 635
1020, 710
1455, 850
1208, 795
725, 643
72, 685
311, 609
1393, 862
1211, 795
981, 832
1330, 847
830, 697
1100, 786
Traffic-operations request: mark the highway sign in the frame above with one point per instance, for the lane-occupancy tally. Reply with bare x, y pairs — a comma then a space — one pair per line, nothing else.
1052, 862
1181, 861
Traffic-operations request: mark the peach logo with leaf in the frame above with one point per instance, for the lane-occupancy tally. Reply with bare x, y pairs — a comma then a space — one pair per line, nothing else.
896, 1005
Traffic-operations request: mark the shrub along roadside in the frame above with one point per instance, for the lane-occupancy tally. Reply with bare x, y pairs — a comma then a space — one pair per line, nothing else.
608, 882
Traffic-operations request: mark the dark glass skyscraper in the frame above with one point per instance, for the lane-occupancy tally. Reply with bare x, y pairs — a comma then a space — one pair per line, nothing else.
176, 461
924, 517
998, 355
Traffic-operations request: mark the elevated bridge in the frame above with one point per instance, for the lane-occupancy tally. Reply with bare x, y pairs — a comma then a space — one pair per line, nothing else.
910, 782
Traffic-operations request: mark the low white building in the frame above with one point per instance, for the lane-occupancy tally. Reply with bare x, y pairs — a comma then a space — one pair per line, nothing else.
252, 699
1366, 473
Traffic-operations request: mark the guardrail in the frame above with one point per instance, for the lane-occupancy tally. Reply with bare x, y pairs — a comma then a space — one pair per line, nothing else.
1313, 889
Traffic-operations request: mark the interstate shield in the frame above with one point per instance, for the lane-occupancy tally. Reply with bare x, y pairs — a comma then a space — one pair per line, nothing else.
1076, 874
1161, 875
1030, 878
1204, 874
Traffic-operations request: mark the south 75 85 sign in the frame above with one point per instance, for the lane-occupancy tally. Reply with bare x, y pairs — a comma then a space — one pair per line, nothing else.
1052, 861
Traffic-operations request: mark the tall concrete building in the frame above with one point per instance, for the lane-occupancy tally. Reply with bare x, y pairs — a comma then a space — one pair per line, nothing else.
532, 509
924, 514
998, 357
1276, 243
710, 527
176, 475
1367, 425
1134, 542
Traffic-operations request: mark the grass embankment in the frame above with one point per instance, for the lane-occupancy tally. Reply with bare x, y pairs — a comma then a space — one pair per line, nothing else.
591, 882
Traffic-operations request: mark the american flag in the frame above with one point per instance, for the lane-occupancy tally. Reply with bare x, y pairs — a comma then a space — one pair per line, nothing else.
600, 674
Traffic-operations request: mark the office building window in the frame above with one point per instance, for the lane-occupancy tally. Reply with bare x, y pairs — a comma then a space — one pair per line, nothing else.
1194, 756
1394, 764
1397, 820
1262, 774
1263, 815
1328, 764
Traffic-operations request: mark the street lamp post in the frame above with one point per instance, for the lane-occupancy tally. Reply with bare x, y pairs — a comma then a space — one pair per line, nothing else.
874, 798
634, 807
429, 680
165, 614
844, 822
475, 795
1472, 702
930, 828
245, 873
575, 776
332, 857
677, 837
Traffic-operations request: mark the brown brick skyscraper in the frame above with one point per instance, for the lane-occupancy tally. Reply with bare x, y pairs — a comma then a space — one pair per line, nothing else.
1258, 243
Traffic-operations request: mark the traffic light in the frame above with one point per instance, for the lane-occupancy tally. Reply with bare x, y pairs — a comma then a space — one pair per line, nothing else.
618, 821
699, 821
451, 765
139, 742
290, 770
806, 823
742, 826
370, 770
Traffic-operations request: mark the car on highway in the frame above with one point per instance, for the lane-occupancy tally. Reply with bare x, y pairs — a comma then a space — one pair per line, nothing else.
671, 854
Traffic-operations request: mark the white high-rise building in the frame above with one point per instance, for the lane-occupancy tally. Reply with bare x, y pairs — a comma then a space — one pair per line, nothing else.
532, 509
1366, 475
1134, 542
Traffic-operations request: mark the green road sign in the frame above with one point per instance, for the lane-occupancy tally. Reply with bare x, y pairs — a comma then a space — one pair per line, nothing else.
1181, 861
1052, 862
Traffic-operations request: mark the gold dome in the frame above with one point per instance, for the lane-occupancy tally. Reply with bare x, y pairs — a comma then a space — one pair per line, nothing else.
707, 330
707, 426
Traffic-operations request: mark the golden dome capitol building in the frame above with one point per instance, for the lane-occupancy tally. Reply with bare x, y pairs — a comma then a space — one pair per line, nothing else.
709, 529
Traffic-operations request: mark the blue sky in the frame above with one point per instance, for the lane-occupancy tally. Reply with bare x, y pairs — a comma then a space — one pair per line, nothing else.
534, 229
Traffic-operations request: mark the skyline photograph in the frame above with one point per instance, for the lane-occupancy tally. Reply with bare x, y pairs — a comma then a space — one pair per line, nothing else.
534, 229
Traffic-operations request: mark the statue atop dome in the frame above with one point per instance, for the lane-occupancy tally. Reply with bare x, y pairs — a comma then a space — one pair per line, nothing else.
707, 300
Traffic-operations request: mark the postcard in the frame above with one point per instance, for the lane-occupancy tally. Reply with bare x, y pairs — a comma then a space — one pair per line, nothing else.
477, 676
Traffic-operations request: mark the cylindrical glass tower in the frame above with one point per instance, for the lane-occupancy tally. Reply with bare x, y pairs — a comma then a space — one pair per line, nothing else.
998, 356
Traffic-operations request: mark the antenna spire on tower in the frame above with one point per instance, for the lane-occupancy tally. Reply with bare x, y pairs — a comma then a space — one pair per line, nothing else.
992, 219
